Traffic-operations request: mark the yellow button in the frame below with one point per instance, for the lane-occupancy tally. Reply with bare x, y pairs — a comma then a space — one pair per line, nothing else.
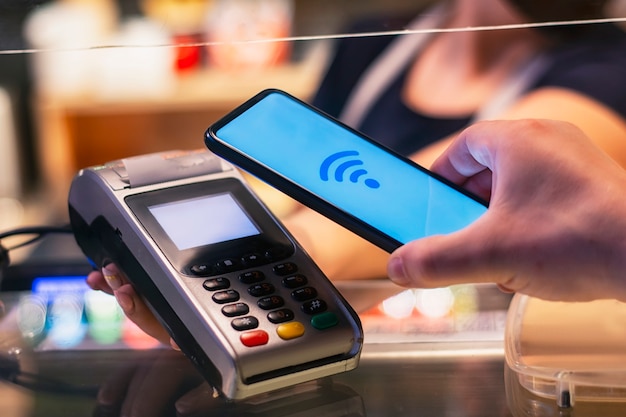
290, 330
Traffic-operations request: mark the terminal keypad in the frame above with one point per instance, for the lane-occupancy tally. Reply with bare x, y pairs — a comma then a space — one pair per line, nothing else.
279, 289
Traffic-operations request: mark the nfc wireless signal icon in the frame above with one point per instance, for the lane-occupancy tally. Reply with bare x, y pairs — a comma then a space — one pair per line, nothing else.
347, 164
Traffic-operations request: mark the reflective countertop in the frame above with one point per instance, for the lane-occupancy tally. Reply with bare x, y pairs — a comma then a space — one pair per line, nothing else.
68, 351
394, 380
163, 383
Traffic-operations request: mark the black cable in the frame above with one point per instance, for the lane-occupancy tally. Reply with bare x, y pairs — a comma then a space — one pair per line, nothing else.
4, 260
9, 367
38, 231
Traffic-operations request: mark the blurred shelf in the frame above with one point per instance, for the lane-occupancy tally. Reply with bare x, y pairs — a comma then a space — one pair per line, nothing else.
80, 131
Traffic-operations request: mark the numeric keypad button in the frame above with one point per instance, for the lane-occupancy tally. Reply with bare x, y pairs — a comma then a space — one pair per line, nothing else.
228, 296
262, 289
215, 284
294, 281
250, 277
280, 316
314, 306
304, 294
234, 310
271, 302
245, 323
286, 268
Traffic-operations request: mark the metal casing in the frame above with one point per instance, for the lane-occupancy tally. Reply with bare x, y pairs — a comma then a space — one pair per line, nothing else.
108, 229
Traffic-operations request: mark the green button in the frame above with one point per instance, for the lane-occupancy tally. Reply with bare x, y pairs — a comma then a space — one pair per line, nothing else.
324, 320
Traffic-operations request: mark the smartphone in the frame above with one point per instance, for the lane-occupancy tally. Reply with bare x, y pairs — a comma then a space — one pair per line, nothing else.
346, 176
235, 290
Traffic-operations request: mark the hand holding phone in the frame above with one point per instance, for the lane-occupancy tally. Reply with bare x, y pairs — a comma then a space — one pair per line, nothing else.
340, 172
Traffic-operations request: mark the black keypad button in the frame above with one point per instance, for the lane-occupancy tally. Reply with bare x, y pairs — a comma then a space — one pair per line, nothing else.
227, 265
228, 296
262, 289
314, 306
280, 316
286, 268
251, 277
303, 294
252, 259
202, 270
271, 302
216, 284
245, 323
295, 281
234, 310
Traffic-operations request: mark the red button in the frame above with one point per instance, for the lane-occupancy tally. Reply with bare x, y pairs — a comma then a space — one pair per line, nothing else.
254, 338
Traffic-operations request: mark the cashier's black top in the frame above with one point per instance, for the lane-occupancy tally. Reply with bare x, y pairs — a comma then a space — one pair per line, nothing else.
593, 64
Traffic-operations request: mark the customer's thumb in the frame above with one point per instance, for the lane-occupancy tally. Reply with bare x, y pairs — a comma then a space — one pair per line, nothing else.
439, 261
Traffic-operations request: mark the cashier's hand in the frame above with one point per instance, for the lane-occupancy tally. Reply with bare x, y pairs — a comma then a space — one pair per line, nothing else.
556, 224
112, 281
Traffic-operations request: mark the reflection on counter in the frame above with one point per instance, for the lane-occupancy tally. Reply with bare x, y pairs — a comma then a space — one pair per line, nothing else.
171, 386
463, 313
426, 351
87, 361
63, 313
448, 362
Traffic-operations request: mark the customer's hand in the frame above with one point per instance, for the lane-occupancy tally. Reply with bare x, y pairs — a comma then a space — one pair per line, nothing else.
112, 281
556, 224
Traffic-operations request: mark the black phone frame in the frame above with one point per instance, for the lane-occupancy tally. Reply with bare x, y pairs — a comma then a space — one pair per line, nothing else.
352, 223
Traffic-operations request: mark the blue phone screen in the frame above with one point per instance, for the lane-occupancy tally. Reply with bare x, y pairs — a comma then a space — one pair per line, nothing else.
347, 171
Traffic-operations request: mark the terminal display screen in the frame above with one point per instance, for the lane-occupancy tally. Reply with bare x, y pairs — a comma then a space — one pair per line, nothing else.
203, 221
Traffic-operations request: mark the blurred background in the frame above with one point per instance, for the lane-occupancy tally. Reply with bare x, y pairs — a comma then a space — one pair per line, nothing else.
84, 82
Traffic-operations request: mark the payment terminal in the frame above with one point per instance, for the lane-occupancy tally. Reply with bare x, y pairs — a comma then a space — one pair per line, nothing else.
233, 288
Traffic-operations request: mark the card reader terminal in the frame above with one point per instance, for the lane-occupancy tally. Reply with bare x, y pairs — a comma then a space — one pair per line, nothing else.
233, 288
